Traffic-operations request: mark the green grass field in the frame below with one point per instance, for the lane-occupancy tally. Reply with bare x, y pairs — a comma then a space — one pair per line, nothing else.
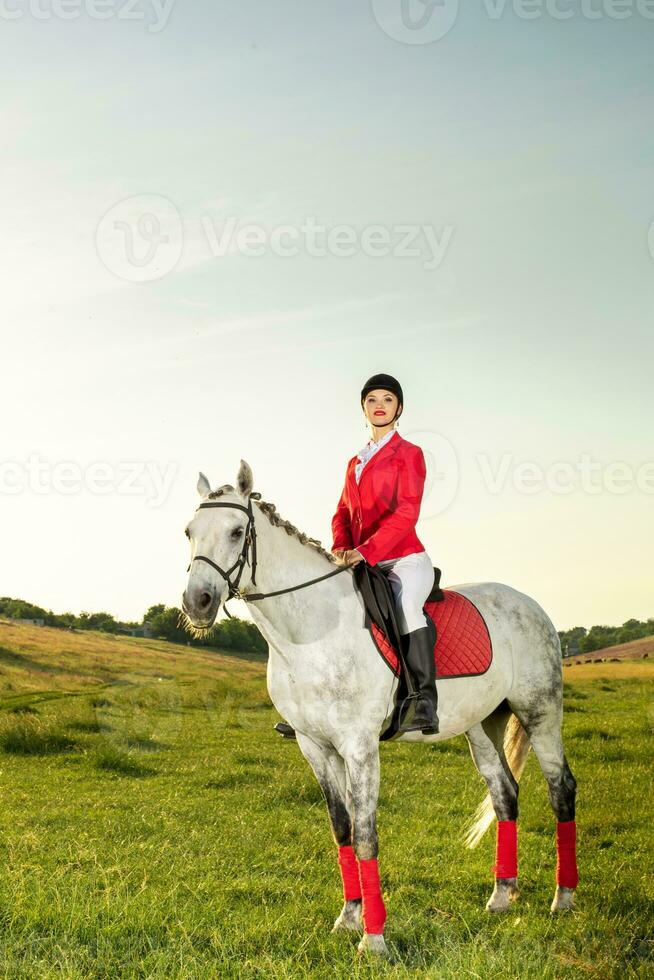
155, 826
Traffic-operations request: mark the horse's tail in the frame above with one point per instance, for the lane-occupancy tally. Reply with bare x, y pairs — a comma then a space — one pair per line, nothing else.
516, 749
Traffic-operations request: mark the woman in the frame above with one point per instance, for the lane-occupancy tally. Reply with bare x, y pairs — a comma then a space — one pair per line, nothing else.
375, 522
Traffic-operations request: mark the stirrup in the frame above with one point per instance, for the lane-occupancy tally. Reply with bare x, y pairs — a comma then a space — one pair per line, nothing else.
404, 710
285, 730
403, 727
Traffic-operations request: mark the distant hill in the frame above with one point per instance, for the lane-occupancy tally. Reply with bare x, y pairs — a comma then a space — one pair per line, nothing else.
579, 641
161, 621
51, 662
636, 650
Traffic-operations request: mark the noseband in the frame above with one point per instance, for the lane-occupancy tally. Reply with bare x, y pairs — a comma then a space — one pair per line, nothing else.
249, 540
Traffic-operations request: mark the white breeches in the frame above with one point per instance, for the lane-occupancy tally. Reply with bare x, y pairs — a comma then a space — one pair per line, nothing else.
411, 579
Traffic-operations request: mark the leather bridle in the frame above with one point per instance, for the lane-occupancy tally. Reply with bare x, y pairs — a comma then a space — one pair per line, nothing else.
250, 541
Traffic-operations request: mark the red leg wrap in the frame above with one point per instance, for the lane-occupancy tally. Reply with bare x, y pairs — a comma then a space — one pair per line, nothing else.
348, 864
567, 875
506, 849
374, 910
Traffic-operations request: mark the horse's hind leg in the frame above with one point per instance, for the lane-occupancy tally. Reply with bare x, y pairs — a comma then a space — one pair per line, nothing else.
486, 742
329, 769
543, 726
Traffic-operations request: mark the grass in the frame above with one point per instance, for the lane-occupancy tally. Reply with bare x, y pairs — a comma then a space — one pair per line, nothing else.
161, 829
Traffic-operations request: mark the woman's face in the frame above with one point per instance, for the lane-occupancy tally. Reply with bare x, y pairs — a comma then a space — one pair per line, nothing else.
380, 406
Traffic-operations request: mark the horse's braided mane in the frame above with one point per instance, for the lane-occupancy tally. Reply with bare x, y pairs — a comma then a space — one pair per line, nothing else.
277, 520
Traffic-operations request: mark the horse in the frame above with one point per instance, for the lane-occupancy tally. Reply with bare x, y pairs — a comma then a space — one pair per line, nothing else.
325, 677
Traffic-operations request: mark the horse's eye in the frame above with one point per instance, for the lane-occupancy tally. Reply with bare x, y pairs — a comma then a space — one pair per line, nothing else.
237, 533
186, 532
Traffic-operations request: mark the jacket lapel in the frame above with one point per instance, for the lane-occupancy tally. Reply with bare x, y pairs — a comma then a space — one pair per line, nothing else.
388, 449
352, 480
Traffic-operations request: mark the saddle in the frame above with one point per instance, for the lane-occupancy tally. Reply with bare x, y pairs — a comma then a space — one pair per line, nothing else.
379, 605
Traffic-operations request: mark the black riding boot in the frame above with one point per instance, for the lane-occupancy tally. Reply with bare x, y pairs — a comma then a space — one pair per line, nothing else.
419, 658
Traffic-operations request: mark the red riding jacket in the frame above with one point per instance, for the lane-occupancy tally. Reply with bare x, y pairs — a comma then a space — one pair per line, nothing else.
378, 515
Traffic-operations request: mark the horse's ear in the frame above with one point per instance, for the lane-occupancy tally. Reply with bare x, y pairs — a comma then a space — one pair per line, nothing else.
204, 486
244, 479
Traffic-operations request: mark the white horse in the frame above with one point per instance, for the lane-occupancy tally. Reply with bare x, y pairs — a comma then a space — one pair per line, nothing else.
327, 679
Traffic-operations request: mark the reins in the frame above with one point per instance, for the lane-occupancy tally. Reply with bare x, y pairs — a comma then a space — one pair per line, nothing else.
235, 592
249, 540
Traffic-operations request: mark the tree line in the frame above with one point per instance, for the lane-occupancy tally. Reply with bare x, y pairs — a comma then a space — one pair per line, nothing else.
164, 621
580, 640
243, 636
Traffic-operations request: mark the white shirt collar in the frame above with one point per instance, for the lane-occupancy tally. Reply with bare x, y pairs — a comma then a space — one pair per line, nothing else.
372, 447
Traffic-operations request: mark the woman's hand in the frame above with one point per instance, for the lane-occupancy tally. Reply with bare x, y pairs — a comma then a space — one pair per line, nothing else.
347, 557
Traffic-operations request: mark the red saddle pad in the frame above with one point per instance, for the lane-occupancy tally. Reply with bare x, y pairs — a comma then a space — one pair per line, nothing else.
463, 644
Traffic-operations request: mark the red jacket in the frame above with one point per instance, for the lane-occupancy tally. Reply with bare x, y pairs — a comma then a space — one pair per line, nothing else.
378, 515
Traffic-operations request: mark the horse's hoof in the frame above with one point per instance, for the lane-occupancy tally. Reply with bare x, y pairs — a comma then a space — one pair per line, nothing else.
374, 943
564, 900
504, 894
350, 918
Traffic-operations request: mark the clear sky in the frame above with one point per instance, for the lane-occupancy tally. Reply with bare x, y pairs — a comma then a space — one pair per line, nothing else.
511, 158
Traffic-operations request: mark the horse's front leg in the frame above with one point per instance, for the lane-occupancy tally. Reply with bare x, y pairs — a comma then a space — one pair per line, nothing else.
361, 754
329, 769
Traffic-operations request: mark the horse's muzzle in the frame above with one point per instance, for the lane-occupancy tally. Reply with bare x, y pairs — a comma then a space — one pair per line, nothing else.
201, 606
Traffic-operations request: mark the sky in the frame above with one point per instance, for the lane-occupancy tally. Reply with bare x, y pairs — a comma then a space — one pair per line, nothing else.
218, 220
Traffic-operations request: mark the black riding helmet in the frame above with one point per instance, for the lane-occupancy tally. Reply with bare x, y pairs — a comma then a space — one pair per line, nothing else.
388, 383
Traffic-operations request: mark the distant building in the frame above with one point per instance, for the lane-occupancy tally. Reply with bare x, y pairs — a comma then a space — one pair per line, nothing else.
146, 631
31, 622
